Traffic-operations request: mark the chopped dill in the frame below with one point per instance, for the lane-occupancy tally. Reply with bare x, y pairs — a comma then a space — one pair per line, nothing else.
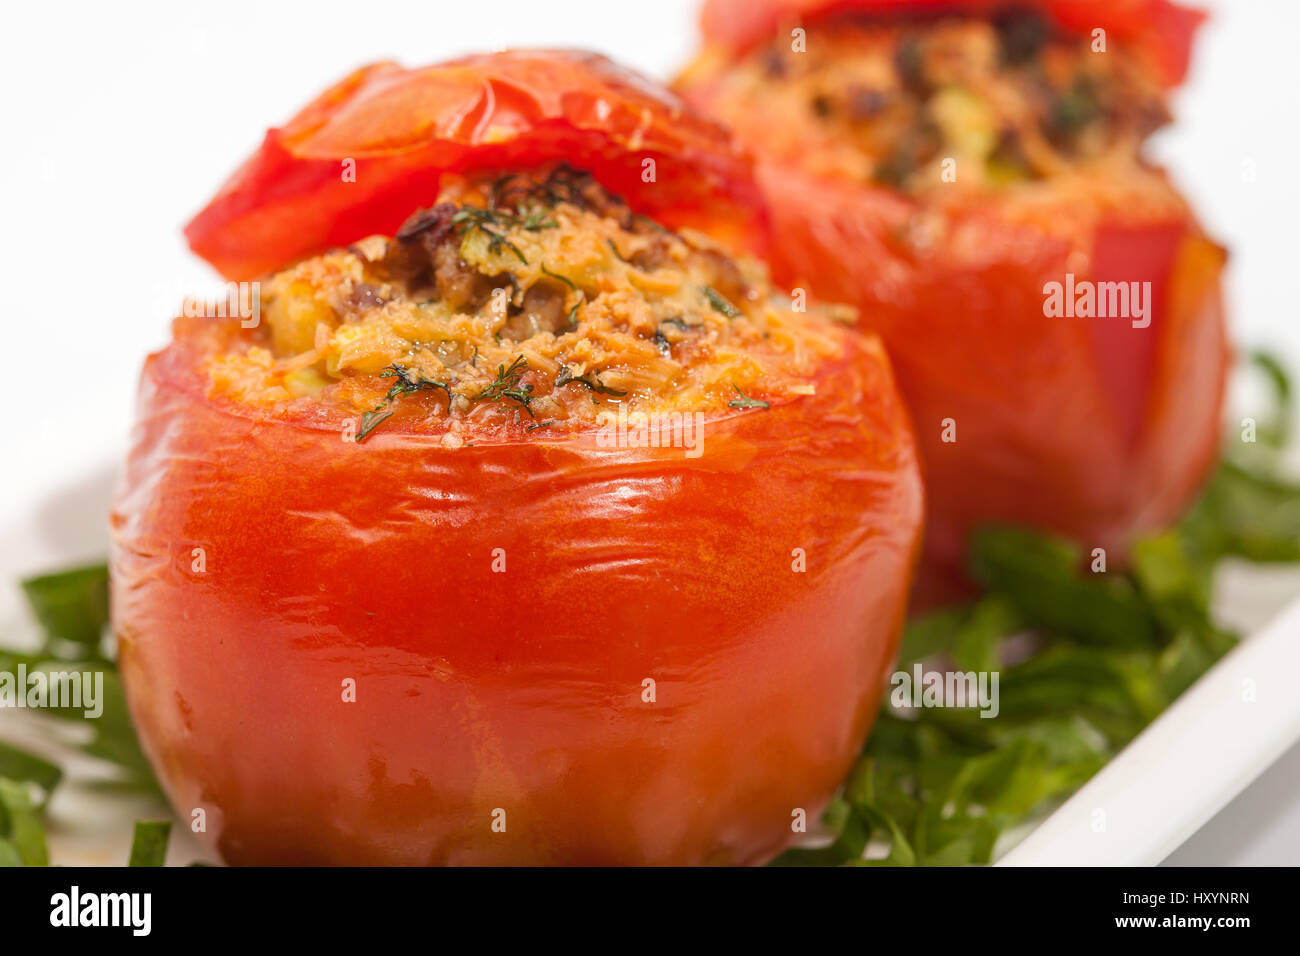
746, 402
372, 420
555, 275
508, 385
719, 303
536, 221
491, 223
566, 377
408, 381
681, 323
516, 189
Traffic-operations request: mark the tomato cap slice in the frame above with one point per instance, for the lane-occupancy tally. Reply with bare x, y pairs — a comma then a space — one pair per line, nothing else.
372, 148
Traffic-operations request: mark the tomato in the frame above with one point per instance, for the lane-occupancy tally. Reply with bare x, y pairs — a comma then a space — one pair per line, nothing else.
372, 148
1160, 29
521, 647
521, 690
1088, 427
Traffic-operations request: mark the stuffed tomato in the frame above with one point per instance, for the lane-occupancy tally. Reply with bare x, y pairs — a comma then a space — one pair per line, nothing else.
536, 530
970, 175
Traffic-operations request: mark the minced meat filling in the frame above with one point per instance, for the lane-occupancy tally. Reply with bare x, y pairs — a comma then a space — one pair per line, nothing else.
1008, 98
533, 298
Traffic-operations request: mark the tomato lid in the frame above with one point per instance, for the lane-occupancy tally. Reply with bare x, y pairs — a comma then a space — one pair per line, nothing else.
371, 149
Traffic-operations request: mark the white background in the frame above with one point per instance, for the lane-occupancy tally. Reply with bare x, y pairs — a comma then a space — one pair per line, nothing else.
120, 120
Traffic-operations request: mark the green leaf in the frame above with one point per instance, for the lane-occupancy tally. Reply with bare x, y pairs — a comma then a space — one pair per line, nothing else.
971, 634
979, 640
1179, 592
1277, 429
149, 846
1250, 514
931, 634
852, 833
1041, 578
113, 736
20, 824
20, 765
859, 792
71, 606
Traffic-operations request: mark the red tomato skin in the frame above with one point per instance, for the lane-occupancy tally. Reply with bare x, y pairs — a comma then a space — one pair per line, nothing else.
518, 691
371, 149
1160, 29
1089, 428
1084, 427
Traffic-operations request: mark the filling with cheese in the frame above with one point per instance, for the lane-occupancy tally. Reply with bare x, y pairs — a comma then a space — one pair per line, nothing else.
532, 298
917, 104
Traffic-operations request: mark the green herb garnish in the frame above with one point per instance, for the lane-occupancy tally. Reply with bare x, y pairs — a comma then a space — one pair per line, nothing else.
678, 321
493, 224
408, 381
17, 764
566, 377
719, 303
22, 835
149, 845
555, 275
71, 606
746, 402
72, 610
372, 420
573, 312
507, 385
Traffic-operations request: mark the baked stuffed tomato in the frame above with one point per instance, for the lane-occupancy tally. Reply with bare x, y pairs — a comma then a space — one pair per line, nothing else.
970, 175
537, 531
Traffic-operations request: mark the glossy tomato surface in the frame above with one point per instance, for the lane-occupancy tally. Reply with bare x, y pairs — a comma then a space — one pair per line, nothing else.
1088, 427
1092, 428
500, 608
374, 147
